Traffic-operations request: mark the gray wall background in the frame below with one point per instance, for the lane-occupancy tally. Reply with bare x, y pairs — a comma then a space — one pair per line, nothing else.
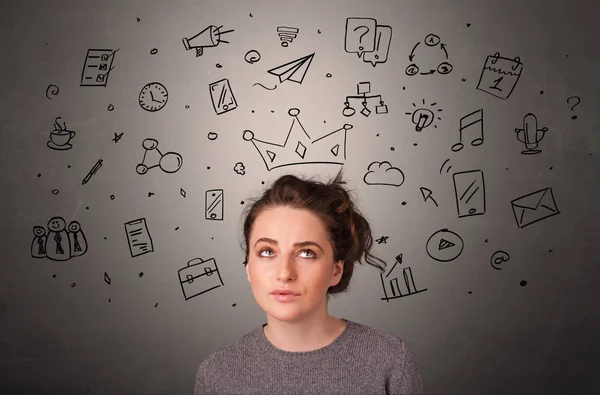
530, 326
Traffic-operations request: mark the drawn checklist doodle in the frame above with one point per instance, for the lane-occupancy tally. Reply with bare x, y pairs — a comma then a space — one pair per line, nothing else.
97, 66
138, 237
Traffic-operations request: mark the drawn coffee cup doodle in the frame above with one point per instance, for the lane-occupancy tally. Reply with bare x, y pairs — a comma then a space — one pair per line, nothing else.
60, 136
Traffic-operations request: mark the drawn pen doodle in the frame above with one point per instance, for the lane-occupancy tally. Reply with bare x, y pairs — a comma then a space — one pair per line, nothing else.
430, 42
209, 37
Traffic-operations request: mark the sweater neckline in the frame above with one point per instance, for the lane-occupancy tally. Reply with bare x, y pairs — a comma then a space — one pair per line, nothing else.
267, 348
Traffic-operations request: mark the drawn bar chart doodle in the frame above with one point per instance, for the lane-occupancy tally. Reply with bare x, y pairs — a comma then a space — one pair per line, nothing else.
471, 124
299, 148
534, 207
213, 204
198, 277
138, 237
209, 37
444, 245
97, 66
399, 289
469, 191
222, 97
499, 75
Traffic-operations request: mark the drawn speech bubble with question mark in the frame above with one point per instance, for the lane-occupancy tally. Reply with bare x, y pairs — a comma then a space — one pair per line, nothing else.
360, 35
578, 100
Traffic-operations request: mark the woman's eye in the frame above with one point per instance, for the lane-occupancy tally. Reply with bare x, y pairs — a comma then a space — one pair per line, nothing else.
262, 251
311, 254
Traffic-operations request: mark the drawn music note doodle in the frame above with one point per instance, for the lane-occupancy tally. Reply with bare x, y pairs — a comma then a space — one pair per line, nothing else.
474, 122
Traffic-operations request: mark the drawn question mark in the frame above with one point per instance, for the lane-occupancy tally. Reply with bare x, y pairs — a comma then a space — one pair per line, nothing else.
574, 105
362, 35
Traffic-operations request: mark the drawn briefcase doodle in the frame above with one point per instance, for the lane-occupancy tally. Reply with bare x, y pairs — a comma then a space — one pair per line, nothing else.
499, 75
198, 277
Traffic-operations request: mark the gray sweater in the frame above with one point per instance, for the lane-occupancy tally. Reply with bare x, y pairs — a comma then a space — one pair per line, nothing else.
362, 360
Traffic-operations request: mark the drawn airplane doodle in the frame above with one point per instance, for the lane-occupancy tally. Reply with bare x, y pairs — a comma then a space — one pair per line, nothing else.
500, 75
197, 277
209, 37
363, 88
299, 148
431, 41
368, 40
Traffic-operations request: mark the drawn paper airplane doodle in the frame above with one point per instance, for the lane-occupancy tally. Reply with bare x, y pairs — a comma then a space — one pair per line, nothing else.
294, 70
302, 149
209, 37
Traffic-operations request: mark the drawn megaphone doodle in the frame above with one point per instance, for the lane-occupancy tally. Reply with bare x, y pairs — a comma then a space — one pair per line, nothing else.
209, 37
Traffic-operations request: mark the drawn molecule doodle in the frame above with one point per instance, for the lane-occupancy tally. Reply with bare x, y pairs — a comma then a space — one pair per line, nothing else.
530, 135
60, 136
497, 258
60, 243
287, 34
293, 71
221, 96
365, 37
363, 88
471, 123
397, 290
153, 96
213, 204
138, 237
169, 162
431, 42
209, 37
302, 149
54, 89
423, 117
534, 207
469, 191
97, 66
197, 277
499, 75
383, 173
444, 245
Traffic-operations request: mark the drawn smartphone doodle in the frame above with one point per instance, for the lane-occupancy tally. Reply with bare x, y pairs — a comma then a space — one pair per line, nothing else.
469, 191
213, 207
138, 237
222, 97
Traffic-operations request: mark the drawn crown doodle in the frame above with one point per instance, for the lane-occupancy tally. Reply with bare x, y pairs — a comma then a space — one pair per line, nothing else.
299, 148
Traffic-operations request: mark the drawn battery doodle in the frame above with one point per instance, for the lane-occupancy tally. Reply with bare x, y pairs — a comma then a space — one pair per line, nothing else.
213, 204
222, 97
198, 277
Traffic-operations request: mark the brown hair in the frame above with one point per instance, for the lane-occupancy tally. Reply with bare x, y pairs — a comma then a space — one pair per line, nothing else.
348, 230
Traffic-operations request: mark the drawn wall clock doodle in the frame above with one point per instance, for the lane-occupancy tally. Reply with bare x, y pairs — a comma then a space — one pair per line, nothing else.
153, 96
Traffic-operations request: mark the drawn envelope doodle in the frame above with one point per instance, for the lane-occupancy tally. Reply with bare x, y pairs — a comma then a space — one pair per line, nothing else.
199, 276
534, 207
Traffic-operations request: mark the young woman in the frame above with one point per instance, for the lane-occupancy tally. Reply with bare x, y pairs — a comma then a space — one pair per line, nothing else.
302, 239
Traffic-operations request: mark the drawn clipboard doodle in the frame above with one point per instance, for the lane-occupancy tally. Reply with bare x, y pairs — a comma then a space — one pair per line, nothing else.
213, 204
138, 237
363, 88
198, 277
383, 173
97, 66
397, 289
530, 135
222, 97
60, 137
209, 37
430, 42
469, 191
534, 207
368, 40
293, 71
444, 245
471, 123
499, 75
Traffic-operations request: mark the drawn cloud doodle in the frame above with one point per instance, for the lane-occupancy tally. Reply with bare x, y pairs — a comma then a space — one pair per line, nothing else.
383, 173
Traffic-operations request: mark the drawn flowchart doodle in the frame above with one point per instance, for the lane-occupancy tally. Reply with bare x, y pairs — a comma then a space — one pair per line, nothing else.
60, 243
213, 204
209, 37
197, 277
362, 90
471, 123
397, 289
499, 75
383, 173
302, 149
169, 162
54, 89
365, 37
60, 136
138, 237
530, 135
431, 41
294, 70
221, 96
427, 195
97, 67
423, 117
497, 258
534, 207
287, 34
444, 245
153, 96
469, 191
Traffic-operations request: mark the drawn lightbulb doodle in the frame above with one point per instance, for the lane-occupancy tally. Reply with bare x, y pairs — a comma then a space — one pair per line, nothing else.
424, 117
169, 162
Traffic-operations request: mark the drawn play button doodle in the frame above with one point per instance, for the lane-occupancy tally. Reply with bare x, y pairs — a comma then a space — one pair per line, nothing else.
444, 245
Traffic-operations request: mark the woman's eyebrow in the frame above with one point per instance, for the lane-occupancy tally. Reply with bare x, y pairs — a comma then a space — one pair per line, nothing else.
297, 244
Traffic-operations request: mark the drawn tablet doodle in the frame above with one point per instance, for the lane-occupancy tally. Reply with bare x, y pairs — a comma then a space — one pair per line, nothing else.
444, 245
222, 97
469, 191
213, 204
534, 207
138, 237
198, 277
97, 66
499, 75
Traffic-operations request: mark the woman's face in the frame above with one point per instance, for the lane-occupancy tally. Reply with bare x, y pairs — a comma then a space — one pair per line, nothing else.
276, 261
